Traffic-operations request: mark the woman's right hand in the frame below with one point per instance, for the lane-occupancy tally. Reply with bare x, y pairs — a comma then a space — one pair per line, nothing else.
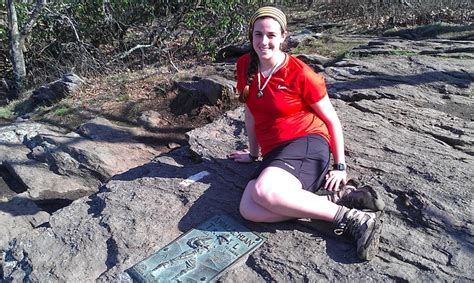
334, 179
242, 156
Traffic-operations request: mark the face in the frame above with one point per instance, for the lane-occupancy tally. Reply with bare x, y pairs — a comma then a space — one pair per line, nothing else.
267, 38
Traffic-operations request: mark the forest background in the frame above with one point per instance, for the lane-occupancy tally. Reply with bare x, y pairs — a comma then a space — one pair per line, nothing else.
42, 40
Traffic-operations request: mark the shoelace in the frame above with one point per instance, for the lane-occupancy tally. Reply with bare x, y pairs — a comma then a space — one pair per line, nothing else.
352, 224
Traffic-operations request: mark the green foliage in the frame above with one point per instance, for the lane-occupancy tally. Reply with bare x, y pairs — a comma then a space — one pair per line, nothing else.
215, 24
133, 110
62, 110
6, 112
123, 98
90, 37
16, 108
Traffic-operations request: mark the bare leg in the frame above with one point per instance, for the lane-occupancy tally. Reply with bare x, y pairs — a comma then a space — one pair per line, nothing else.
253, 211
277, 195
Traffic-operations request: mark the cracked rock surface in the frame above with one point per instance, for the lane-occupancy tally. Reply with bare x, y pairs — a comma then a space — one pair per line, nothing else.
408, 125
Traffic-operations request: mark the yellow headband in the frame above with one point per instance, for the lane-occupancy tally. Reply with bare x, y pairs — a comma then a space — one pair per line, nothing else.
269, 11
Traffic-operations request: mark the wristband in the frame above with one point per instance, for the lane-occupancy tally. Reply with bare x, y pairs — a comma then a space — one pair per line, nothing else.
339, 167
253, 157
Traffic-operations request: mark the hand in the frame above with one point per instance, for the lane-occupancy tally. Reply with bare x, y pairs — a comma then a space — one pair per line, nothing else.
334, 179
242, 156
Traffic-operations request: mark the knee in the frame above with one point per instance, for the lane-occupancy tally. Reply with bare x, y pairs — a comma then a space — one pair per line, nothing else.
263, 194
248, 207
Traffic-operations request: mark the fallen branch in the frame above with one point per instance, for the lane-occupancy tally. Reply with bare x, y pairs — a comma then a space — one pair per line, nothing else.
73, 28
138, 46
174, 66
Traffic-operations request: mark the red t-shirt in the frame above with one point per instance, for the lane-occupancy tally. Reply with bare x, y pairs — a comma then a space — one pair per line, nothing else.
284, 113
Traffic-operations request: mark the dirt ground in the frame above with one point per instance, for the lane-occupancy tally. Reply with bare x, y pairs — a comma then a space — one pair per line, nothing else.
123, 97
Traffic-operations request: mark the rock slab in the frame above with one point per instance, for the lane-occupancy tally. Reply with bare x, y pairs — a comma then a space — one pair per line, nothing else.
403, 137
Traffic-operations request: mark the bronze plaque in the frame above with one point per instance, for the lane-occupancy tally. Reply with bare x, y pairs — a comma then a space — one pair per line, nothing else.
200, 255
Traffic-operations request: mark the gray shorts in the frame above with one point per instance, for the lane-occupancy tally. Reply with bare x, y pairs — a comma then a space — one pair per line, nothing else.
307, 158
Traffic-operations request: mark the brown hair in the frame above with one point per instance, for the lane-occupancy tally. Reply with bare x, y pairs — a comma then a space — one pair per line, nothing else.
253, 65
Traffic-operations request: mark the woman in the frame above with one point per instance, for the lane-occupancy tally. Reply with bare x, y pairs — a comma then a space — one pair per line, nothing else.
290, 119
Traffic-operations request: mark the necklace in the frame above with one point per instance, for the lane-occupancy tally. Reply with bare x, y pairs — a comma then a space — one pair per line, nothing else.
260, 89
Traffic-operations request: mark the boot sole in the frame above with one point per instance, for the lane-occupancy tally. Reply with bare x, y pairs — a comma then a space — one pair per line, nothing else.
371, 246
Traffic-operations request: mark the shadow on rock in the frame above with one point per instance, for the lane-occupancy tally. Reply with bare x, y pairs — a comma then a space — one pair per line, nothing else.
209, 187
458, 79
18, 206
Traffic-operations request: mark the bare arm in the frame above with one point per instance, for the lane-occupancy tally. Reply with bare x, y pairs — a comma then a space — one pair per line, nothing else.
326, 112
254, 149
250, 126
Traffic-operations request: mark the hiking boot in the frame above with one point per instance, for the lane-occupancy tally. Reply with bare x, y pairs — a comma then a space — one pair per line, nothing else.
364, 228
351, 196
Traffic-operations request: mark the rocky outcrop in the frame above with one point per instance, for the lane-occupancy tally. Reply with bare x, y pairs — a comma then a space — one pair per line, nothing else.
48, 168
57, 90
408, 128
19, 216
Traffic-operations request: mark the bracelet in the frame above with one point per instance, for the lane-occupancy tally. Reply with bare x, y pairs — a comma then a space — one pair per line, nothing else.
253, 157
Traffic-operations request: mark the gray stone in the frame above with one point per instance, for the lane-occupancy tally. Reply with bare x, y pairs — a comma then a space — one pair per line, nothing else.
314, 59
232, 52
150, 119
42, 184
102, 155
402, 137
304, 37
101, 235
53, 168
57, 90
19, 216
417, 79
101, 129
199, 92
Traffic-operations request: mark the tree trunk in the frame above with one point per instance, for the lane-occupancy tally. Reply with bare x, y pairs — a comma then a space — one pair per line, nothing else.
16, 41
16, 47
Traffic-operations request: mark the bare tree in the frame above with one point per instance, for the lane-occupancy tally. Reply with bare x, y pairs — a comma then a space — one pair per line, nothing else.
16, 39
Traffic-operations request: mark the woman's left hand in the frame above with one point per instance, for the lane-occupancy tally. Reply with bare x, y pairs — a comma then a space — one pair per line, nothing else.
334, 179
242, 156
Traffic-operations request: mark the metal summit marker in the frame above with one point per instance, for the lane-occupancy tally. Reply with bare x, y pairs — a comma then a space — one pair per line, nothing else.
200, 255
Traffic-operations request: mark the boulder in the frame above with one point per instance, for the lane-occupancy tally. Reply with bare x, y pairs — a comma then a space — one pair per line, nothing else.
57, 90
314, 59
198, 92
101, 129
304, 37
232, 53
150, 119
